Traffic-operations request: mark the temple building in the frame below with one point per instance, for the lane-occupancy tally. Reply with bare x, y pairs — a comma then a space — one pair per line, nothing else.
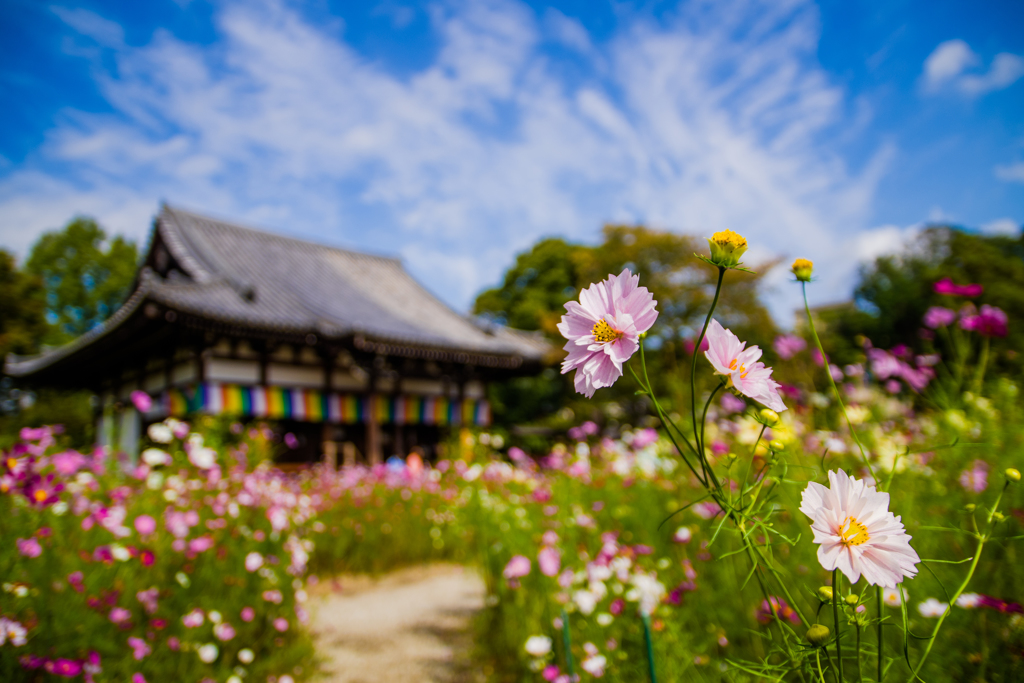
344, 350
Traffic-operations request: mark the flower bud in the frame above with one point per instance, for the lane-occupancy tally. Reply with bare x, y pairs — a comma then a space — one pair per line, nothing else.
852, 599
817, 635
1012, 474
970, 507
769, 416
802, 269
726, 248
777, 446
825, 594
732, 456
999, 516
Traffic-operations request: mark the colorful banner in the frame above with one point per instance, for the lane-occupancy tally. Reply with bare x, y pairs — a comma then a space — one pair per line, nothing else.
309, 405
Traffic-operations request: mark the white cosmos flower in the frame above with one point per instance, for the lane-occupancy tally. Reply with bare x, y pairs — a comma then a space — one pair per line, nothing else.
891, 597
207, 653
856, 532
538, 646
968, 600
932, 608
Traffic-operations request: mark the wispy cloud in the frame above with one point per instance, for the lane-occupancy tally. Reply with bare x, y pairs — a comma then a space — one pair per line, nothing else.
947, 68
1013, 173
718, 116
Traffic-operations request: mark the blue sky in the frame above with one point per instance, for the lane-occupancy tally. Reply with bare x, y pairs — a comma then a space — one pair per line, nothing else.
456, 134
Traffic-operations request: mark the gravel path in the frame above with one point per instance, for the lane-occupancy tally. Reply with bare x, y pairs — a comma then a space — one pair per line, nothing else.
410, 626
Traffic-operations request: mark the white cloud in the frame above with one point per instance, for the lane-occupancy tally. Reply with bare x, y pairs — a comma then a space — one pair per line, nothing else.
1002, 226
947, 65
719, 117
91, 25
1013, 173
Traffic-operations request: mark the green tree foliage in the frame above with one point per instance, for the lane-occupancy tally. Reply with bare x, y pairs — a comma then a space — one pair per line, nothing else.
896, 290
533, 293
22, 325
85, 276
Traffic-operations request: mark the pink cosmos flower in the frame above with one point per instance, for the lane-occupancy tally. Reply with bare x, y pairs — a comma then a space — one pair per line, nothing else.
119, 615
788, 345
730, 358
253, 561
224, 632
140, 648
148, 598
142, 401
975, 480
200, 544
248, 614
193, 619
145, 524
273, 596
938, 316
604, 330
765, 613
29, 547
138, 678
989, 322
281, 624
550, 561
517, 567
856, 532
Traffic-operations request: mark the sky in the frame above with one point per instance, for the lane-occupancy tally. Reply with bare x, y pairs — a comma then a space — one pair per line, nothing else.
456, 134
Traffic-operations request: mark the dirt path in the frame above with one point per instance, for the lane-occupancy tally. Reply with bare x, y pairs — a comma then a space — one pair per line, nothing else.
410, 626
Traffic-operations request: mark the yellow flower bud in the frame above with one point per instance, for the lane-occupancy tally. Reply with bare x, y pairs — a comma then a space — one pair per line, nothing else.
818, 635
777, 446
852, 599
726, 248
769, 416
970, 507
1012, 474
999, 517
802, 268
825, 594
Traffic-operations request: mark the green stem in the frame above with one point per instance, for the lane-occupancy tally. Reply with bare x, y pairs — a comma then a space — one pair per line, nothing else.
704, 415
667, 424
817, 657
646, 619
835, 617
963, 586
835, 389
860, 672
567, 641
979, 375
693, 360
880, 606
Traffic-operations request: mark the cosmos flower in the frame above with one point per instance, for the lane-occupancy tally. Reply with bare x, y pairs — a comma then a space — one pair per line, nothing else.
765, 612
208, 653
538, 646
856, 532
253, 561
975, 480
224, 632
517, 567
988, 322
29, 547
748, 376
939, 316
12, 632
145, 524
550, 561
932, 608
281, 624
604, 330
140, 648
947, 287
788, 345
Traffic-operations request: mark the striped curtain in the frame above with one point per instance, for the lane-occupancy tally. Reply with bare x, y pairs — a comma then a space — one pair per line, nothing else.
309, 405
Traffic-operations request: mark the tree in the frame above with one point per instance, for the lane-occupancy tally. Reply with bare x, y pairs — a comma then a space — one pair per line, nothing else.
85, 276
22, 324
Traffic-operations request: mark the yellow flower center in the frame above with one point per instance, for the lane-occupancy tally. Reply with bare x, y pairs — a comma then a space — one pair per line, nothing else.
11, 463
743, 368
40, 495
603, 332
853, 532
729, 239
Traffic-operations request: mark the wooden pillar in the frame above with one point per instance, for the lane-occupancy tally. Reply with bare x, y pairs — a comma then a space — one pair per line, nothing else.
373, 452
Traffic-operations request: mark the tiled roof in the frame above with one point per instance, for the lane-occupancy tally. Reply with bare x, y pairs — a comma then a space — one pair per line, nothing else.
250, 278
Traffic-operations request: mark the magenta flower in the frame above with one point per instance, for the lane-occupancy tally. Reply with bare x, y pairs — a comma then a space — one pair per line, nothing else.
68, 462
975, 480
550, 561
29, 547
748, 376
989, 322
949, 288
138, 678
604, 330
43, 491
143, 401
281, 624
518, 567
200, 544
148, 598
145, 524
66, 668
788, 345
140, 648
248, 614
937, 317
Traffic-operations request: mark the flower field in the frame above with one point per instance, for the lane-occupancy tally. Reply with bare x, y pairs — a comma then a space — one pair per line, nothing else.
854, 532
